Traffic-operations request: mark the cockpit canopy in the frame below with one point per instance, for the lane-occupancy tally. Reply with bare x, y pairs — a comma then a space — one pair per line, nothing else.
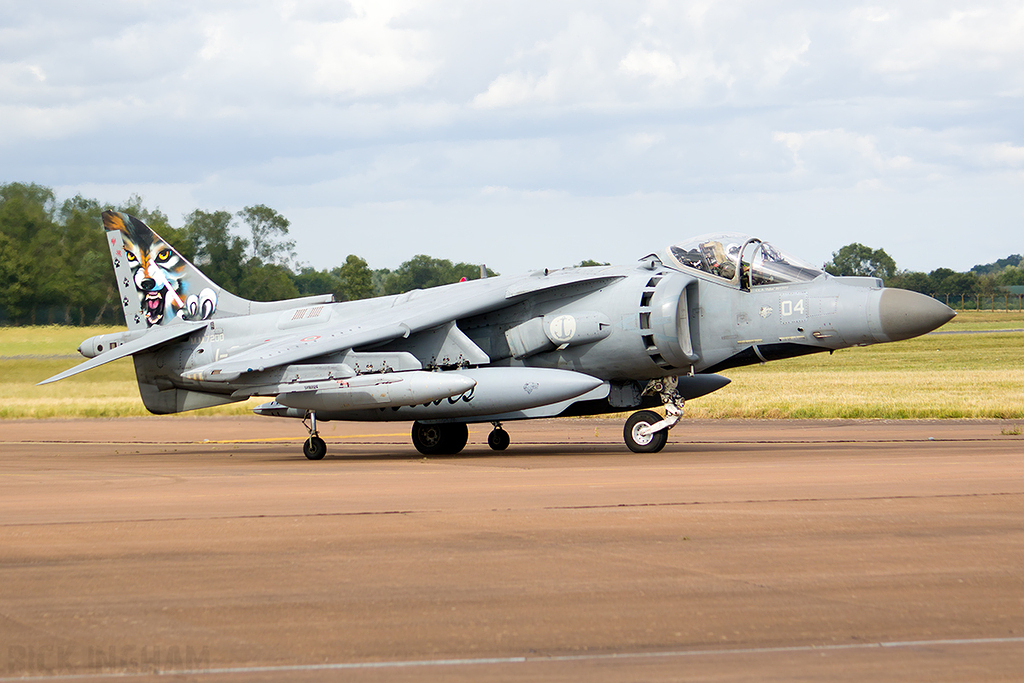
742, 259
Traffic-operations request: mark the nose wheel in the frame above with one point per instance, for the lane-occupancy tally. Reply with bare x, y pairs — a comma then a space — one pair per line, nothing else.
314, 448
638, 434
646, 431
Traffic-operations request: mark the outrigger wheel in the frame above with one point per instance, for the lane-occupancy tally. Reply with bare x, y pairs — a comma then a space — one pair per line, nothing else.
314, 448
439, 439
498, 439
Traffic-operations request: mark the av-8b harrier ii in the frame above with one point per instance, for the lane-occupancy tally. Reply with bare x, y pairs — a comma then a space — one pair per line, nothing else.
575, 341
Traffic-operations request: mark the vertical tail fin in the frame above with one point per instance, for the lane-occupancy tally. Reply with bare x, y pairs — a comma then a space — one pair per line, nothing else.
156, 284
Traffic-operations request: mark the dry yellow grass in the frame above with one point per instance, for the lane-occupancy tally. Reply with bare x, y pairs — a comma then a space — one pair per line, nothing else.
866, 394
977, 375
107, 391
47, 339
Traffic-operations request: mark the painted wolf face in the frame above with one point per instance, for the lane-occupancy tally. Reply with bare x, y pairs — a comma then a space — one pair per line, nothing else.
157, 270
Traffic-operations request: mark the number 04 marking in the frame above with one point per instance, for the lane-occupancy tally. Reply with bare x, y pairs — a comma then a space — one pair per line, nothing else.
788, 308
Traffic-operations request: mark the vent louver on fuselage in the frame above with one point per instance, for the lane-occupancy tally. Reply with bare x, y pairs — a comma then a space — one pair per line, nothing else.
646, 332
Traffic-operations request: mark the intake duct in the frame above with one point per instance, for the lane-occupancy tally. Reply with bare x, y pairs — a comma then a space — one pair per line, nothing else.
664, 320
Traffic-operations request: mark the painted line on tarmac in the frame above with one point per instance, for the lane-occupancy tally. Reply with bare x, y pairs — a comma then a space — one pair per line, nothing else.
294, 439
298, 438
272, 439
534, 659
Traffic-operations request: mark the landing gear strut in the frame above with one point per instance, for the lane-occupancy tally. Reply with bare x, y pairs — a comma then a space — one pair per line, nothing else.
314, 448
439, 439
498, 439
645, 431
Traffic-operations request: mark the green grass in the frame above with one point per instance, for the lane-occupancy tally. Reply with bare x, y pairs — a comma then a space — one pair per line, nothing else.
935, 376
986, 320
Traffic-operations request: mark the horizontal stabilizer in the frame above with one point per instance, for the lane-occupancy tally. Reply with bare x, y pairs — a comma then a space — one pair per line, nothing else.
157, 336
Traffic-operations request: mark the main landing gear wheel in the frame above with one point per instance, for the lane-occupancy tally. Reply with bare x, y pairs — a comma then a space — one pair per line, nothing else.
644, 443
498, 439
439, 439
314, 448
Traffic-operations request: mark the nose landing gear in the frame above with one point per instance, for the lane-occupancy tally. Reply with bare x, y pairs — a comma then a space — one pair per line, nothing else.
639, 436
645, 431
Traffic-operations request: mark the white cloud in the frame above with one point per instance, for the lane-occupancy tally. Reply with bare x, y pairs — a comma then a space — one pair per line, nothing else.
567, 68
642, 142
515, 88
1003, 154
941, 36
575, 110
363, 55
658, 65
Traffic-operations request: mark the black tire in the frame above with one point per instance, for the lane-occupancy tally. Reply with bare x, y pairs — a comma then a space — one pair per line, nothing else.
498, 440
439, 439
455, 437
314, 448
640, 444
428, 439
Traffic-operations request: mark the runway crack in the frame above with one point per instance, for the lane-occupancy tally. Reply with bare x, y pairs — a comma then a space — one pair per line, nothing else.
761, 501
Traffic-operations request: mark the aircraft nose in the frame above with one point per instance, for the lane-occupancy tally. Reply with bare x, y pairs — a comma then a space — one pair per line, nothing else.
904, 314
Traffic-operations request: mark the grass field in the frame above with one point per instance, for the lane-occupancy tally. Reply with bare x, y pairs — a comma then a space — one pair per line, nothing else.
935, 376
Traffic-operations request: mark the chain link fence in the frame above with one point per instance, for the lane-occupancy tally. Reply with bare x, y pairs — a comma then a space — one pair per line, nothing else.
983, 302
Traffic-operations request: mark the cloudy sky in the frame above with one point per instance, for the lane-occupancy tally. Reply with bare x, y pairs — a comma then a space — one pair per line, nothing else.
530, 134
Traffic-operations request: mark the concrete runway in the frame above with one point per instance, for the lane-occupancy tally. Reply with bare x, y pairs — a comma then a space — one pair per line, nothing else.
747, 550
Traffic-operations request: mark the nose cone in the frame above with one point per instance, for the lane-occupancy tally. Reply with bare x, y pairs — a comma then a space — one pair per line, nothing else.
904, 314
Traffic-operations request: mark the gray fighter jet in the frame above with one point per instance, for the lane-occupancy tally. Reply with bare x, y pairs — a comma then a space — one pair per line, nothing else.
575, 341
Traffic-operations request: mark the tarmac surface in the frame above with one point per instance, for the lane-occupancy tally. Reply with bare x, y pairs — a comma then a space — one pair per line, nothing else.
209, 549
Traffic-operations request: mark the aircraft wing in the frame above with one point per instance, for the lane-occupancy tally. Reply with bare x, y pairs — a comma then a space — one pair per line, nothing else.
543, 280
410, 313
293, 348
157, 336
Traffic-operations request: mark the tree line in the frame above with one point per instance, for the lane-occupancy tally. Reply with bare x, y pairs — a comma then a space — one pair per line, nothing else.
990, 279
55, 265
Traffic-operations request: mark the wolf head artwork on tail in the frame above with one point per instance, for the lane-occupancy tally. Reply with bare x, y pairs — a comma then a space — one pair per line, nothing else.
157, 274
